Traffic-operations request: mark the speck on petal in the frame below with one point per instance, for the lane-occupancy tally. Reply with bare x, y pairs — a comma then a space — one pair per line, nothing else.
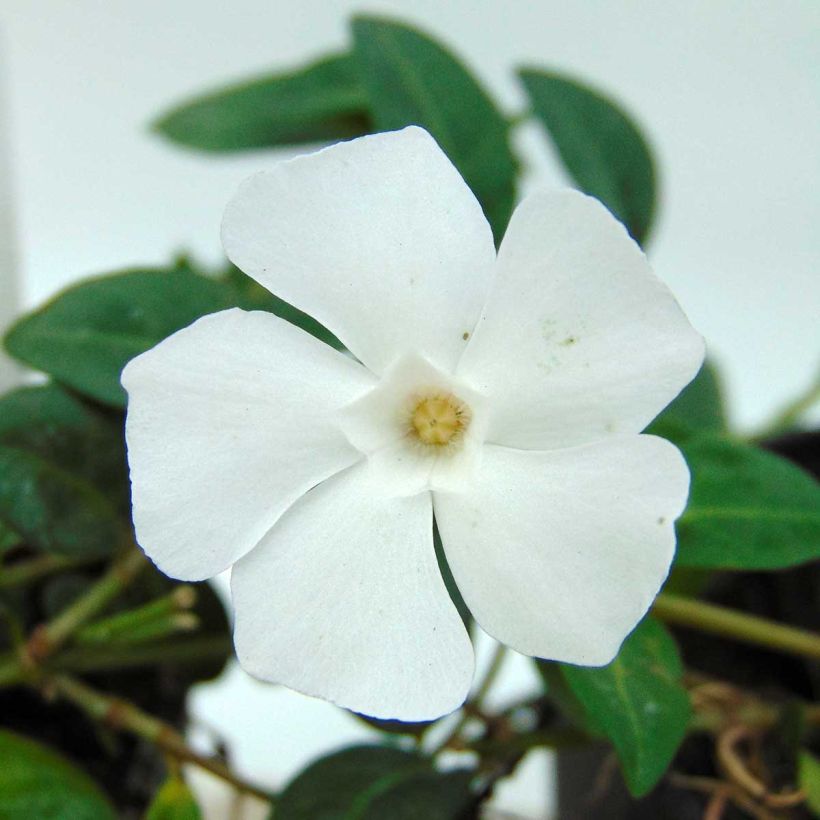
229, 422
379, 238
343, 600
559, 554
579, 339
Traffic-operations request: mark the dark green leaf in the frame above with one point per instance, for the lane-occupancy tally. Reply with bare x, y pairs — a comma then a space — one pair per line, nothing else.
64, 431
320, 102
748, 509
809, 780
53, 509
413, 80
698, 409
88, 333
173, 801
599, 144
37, 783
8, 538
638, 703
250, 295
329, 788
429, 795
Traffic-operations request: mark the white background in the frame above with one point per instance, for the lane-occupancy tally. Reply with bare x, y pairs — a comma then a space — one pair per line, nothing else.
727, 92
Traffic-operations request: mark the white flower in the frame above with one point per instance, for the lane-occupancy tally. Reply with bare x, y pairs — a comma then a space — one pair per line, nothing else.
504, 393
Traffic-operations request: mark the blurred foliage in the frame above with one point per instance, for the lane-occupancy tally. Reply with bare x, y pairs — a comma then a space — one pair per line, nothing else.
64, 512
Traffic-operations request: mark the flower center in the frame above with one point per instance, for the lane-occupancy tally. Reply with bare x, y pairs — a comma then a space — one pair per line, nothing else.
439, 420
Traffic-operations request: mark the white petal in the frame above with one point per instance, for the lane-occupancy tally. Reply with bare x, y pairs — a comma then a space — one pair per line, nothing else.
229, 421
559, 554
378, 238
379, 424
343, 600
579, 339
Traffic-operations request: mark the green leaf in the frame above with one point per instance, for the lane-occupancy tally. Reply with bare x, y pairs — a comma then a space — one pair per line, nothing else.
8, 538
35, 782
88, 333
53, 509
173, 801
808, 767
67, 433
329, 788
748, 509
321, 102
698, 409
431, 795
599, 144
250, 295
413, 80
638, 703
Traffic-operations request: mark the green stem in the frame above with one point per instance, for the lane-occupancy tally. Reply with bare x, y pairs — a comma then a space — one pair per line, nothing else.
730, 623
27, 571
125, 716
48, 637
792, 412
97, 659
476, 703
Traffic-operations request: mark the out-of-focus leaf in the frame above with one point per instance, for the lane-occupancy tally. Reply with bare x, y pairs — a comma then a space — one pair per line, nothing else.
250, 295
638, 703
698, 409
58, 427
8, 538
174, 801
809, 780
413, 80
601, 147
53, 509
748, 509
430, 795
88, 333
329, 788
320, 102
35, 782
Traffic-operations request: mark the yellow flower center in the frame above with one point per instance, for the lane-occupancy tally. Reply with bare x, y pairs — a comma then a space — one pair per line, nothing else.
439, 420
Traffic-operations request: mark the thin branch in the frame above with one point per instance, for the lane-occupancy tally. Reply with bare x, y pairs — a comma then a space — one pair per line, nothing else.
122, 715
24, 572
730, 623
46, 638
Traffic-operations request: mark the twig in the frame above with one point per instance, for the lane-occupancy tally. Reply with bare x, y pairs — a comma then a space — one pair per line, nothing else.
730, 623
24, 572
46, 638
122, 715
474, 706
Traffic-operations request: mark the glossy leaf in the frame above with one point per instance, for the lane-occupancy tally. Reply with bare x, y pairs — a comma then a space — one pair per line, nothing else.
323, 101
599, 144
430, 795
748, 509
638, 703
54, 510
329, 788
698, 409
808, 770
58, 427
89, 332
413, 80
250, 295
174, 801
35, 782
